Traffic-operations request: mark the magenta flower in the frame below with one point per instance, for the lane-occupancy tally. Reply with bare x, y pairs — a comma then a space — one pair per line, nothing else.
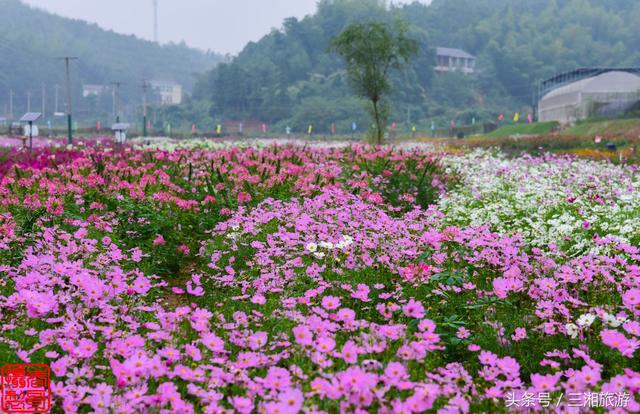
303, 335
413, 309
618, 341
330, 302
463, 333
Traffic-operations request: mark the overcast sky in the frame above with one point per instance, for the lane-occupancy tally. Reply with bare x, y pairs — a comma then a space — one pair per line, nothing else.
223, 26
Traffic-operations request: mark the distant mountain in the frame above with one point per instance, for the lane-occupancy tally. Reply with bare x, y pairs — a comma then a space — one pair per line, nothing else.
289, 76
31, 40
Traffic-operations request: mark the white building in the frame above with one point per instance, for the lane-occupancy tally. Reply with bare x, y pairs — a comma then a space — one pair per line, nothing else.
454, 60
607, 93
169, 93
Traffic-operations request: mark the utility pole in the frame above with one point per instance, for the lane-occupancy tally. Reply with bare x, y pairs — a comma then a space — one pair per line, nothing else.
28, 101
145, 88
67, 61
44, 99
116, 99
56, 87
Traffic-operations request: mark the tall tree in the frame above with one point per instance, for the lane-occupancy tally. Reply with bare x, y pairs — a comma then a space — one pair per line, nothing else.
371, 51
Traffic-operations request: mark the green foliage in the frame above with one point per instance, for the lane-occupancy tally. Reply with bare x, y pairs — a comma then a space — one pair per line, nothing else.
516, 43
31, 39
538, 128
371, 51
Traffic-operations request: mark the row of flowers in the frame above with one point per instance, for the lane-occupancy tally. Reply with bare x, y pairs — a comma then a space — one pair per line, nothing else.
291, 279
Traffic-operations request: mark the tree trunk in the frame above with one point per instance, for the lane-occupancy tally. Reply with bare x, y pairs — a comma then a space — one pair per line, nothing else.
376, 115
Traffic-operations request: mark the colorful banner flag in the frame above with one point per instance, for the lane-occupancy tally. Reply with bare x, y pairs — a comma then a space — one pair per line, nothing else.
98, 125
264, 128
219, 129
516, 117
193, 129
530, 118
310, 130
333, 129
501, 117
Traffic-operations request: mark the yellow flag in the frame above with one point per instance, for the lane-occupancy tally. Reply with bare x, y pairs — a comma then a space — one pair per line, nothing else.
516, 117
310, 129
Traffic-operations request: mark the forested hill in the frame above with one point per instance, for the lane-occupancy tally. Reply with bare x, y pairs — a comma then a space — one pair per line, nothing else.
31, 39
289, 77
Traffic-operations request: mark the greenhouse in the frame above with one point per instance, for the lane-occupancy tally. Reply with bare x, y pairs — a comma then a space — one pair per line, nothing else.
607, 94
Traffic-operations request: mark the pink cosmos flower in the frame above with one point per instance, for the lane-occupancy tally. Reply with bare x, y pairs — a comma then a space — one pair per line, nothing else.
394, 373
193, 352
349, 352
212, 342
545, 383
291, 400
159, 240
258, 340
488, 358
631, 300
325, 344
86, 348
463, 333
141, 285
258, 299
330, 302
519, 334
413, 309
616, 340
303, 335
243, 405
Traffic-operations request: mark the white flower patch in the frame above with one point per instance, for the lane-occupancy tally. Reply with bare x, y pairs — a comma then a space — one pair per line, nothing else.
559, 200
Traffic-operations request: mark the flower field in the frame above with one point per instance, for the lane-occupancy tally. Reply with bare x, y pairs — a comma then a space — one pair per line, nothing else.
321, 279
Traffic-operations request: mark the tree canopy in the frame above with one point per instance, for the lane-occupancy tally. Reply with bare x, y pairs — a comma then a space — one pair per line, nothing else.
516, 44
371, 50
32, 39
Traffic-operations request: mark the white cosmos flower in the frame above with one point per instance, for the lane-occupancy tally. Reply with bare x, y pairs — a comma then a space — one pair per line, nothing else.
611, 320
326, 245
311, 247
586, 319
572, 330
